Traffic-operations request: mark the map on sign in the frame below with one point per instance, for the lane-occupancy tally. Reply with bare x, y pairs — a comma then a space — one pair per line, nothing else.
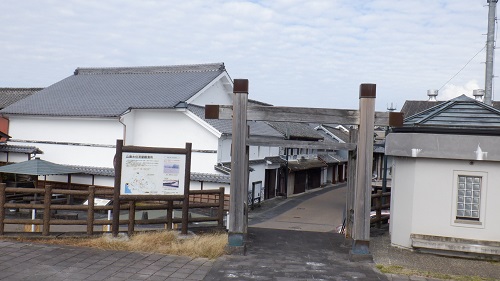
152, 173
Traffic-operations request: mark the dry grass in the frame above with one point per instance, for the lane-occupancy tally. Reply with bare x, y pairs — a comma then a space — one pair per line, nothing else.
399, 270
164, 242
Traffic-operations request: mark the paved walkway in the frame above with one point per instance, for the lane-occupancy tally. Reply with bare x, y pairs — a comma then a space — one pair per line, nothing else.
292, 255
289, 239
25, 261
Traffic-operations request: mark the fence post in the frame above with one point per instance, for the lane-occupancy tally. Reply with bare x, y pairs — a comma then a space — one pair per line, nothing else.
47, 200
90, 210
378, 208
2, 207
170, 211
187, 180
220, 213
131, 217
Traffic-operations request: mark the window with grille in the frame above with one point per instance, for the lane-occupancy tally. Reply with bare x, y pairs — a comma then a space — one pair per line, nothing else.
469, 197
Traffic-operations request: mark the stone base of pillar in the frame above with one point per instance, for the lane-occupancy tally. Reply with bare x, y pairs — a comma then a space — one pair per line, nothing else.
360, 251
236, 244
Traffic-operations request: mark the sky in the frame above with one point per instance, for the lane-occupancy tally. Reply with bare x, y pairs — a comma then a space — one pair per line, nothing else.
299, 53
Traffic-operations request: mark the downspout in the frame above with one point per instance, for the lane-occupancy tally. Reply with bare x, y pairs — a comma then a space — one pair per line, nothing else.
120, 118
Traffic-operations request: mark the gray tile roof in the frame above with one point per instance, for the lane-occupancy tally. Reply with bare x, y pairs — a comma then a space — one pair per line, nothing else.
459, 113
98, 171
108, 92
331, 158
412, 107
9, 96
110, 172
298, 165
343, 136
20, 149
257, 128
275, 160
296, 131
216, 178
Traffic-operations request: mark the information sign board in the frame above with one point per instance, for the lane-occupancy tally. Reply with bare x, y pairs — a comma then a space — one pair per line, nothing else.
152, 174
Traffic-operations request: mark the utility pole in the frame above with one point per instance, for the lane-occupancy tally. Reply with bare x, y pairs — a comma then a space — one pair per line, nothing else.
490, 50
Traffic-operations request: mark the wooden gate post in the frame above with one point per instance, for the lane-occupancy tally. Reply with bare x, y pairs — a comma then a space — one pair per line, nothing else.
238, 195
362, 192
351, 183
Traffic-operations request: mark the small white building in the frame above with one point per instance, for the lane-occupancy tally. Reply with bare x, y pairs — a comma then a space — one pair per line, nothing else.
445, 179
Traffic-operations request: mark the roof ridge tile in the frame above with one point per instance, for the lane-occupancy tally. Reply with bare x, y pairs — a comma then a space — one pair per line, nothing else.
151, 69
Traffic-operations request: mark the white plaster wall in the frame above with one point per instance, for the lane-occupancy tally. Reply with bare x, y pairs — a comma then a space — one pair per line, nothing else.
224, 152
203, 162
76, 139
402, 201
14, 157
169, 128
70, 154
83, 179
196, 185
258, 174
172, 128
77, 130
430, 211
215, 94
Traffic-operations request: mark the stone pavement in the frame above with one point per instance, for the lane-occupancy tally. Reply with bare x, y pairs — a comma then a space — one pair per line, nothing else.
26, 261
292, 255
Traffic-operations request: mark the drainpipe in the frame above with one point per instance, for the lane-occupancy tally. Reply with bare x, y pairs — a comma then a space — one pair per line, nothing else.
120, 118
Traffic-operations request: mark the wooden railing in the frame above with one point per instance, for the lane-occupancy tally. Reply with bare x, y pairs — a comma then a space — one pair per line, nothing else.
48, 204
380, 201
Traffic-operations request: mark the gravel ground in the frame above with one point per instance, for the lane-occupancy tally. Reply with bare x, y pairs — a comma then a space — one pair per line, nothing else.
384, 253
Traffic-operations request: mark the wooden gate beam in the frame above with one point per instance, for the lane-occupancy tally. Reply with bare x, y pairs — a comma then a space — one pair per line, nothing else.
274, 142
299, 115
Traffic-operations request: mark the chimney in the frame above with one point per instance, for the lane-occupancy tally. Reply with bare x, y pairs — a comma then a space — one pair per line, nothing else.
478, 94
432, 95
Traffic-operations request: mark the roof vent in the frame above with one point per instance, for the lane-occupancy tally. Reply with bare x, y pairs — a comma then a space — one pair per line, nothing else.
478, 94
432, 95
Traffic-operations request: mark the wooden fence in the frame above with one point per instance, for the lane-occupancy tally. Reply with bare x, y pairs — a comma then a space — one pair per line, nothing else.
380, 201
48, 205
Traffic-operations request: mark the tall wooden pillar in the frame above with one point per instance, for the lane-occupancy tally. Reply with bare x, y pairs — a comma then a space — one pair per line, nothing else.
362, 192
351, 184
239, 182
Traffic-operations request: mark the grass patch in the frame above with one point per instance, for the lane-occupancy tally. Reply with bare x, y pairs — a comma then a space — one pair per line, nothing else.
209, 245
399, 270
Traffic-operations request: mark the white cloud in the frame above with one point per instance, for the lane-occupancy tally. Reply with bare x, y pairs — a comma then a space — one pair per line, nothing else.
295, 53
452, 91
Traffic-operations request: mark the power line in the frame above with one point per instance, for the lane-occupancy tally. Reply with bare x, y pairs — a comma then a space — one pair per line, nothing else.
462, 68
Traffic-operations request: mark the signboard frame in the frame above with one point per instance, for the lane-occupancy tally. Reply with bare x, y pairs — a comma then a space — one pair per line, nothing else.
181, 195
